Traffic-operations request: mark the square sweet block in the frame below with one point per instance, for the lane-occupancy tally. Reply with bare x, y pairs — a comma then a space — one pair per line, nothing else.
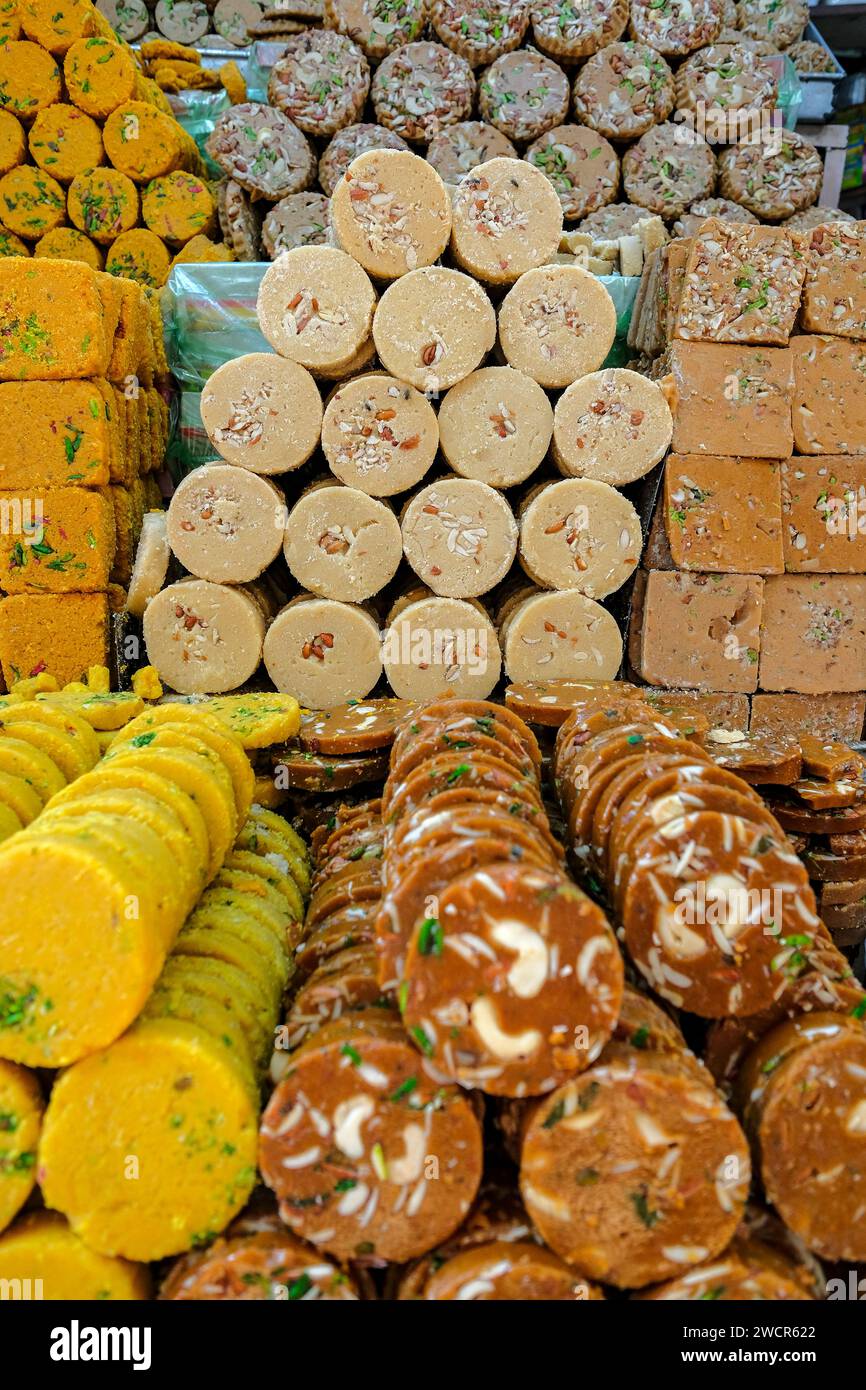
824, 514
837, 717
53, 321
701, 631
724, 711
829, 415
727, 398
63, 634
742, 284
834, 291
54, 433
56, 540
813, 637
724, 514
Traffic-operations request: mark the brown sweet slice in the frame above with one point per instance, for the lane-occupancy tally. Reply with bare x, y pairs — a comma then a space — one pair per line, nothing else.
444, 741
550, 703
315, 772
346, 981
820, 794
628, 739
759, 759
357, 727
834, 868
629, 774
458, 770
831, 821
826, 758
351, 926
481, 711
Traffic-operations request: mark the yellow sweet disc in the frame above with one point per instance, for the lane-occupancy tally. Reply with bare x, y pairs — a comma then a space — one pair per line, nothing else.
212, 1016
261, 909
233, 988
215, 938
41, 1248
280, 826
34, 685
102, 712
258, 719
62, 721
215, 912
193, 773
273, 874
20, 1121
133, 779
74, 984
166, 1106
257, 839
10, 823
18, 796
195, 720
59, 747
23, 760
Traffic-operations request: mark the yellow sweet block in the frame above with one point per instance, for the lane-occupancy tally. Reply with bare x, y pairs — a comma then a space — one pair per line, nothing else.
21, 798
66, 441
21, 1108
212, 1016
168, 1102
54, 321
146, 683
279, 879
67, 723
20, 758
10, 822
62, 634
99, 680
235, 989
50, 1262
65, 541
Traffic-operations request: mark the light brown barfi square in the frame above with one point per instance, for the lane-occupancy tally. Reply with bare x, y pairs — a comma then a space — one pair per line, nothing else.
834, 291
724, 514
826, 716
701, 631
728, 397
742, 284
813, 636
824, 514
829, 415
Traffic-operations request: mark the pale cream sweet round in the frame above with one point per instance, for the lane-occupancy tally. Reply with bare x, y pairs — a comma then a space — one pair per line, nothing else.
459, 536
379, 434
560, 635
391, 212
441, 646
204, 638
323, 652
262, 412
557, 323
315, 306
496, 426
612, 425
433, 327
342, 544
507, 218
580, 534
226, 523
152, 555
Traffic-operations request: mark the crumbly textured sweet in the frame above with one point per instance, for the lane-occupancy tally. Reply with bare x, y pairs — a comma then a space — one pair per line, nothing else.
668, 169
566, 32
67, 440
245, 408
102, 203
377, 29
55, 323
459, 536
225, 523
21, 1108
59, 633
726, 395
421, 88
816, 217
523, 95
459, 148
480, 30
67, 545
834, 290
433, 644
391, 213
724, 514
301, 219
432, 327
262, 150
315, 306
623, 90
547, 636
742, 284
507, 219
722, 208
13, 141
822, 501
341, 543
42, 1250
581, 165
814, 634
612, 426
142, 141
64, 142
837, 717
379, 434
240, 220
678, 26
779, 21
204, 638
775, 179
29, 79
556, 324
31, 202
728, 75
829, 406
320, 81
323, 652
99, 75
177, 206
141, 255
717, 619
495, 426
579, 534
348, 143
808, 56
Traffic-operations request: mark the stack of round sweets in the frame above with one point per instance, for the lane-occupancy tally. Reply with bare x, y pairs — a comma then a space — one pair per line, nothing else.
178, 1094
357, 1124
508, 977
42, 750
43, 1253
96, 167
635, 1169
716, 908
21, 1107
132, 841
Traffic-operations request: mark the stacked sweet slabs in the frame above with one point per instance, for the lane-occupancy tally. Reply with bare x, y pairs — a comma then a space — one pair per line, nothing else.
94, 168
719, 917
83, 425
179, 1092
764, 576
338, 749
